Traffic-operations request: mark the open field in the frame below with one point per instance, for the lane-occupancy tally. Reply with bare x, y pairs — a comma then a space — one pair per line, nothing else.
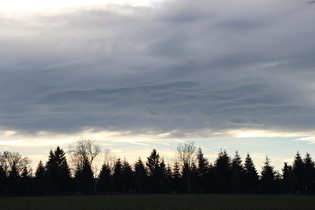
161, 202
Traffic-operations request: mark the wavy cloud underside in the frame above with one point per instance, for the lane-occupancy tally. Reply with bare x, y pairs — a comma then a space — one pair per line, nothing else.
191, 69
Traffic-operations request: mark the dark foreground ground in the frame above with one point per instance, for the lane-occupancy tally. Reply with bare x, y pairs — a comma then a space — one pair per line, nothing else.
161, 202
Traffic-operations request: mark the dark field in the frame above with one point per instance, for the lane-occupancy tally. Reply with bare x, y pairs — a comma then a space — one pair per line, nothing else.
161, 202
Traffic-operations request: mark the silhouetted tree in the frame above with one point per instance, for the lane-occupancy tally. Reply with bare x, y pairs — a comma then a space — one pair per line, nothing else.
169, 179
141, 177
84, 178
186, 156
40, 179
57, 172
226, 175
211, 184
287, 179
8, 159
153, 164
13, 181
3, 181
161, 177
202, 170
223, 174
177, 179
104, 179
117, 176
298, 171
40, 170
83, 151
194, 179
126, 177
26, 182
237, 174
308, 173
268, 177
250, 175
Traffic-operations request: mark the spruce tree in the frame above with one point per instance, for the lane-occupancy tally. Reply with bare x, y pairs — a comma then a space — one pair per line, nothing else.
40, 179
126, 177
141, 177
177, 179
287, 179
223, 173
161, 178
14, 179
104, 180
57, 172
153, 164
26, 182
250, 175
268, 177
117, 176
202, 170
237, 174
299, 173
84, 178
309, 173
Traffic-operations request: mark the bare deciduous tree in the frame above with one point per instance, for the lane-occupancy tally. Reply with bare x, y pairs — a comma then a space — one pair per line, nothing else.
83, 150
8, 159
186, 154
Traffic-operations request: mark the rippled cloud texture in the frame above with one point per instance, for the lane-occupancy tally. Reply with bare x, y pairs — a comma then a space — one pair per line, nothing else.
185, 68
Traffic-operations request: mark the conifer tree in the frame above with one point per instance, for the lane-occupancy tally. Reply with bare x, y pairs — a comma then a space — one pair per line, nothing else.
202, 170
84, 178
13, 181
161, 178
223, 173
57, 172
141, 177
177, 180
250, 175
40, 179
126, 177
237, 174
309, 173
287, 179
117, 176
104, 179
169, 178
153, 164
268, 177
203, 163
299, 173
26, 182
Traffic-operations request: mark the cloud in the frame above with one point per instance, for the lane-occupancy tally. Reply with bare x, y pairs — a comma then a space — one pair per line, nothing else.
189, 69
309, 139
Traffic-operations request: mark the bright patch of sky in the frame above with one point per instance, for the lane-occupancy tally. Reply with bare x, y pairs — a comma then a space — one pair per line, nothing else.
30, 6
129, 146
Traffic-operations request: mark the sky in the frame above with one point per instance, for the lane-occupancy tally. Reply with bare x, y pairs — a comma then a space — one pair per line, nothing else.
136, 75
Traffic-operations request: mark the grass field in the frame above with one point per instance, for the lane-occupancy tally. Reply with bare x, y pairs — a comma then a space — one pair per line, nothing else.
160, 202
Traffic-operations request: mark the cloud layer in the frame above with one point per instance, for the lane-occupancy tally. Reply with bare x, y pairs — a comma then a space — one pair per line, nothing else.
187, 68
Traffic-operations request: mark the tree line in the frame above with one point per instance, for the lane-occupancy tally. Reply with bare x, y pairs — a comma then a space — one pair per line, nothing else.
190, 173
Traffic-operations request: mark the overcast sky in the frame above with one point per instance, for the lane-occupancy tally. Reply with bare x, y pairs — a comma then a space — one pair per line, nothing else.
173, 69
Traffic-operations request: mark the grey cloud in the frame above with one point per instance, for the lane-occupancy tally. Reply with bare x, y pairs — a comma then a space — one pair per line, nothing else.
185, 68
179, 106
